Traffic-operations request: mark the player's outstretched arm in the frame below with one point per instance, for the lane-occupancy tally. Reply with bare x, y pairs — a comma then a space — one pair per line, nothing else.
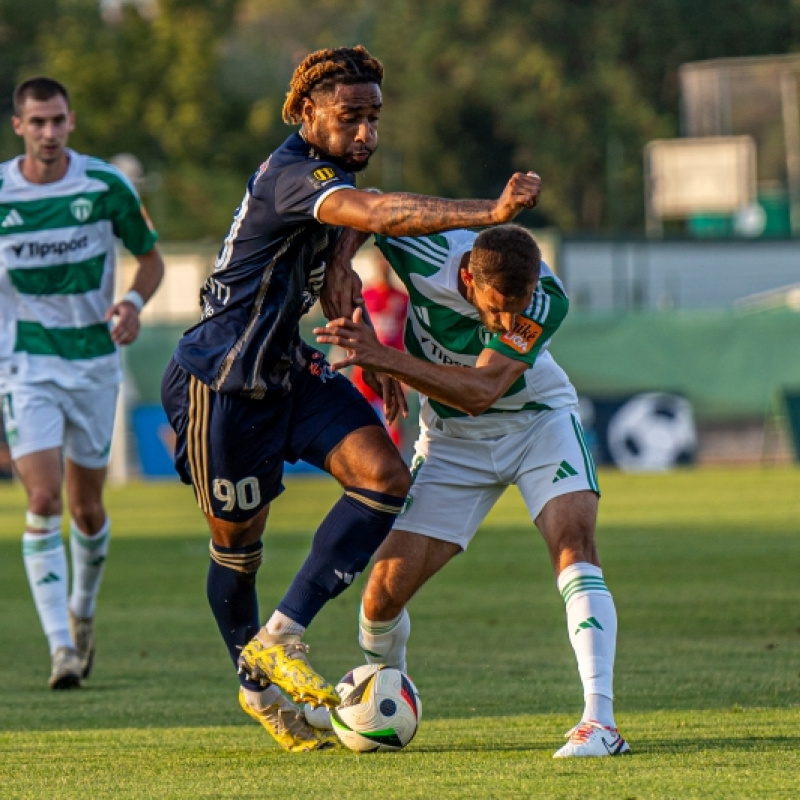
470, 389
404, 214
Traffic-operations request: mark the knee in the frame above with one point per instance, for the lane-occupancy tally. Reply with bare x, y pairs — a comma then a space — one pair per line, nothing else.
371, 462
44, 502
397, 480
388, 475
88, 515
573, 546
378, 603
570, 538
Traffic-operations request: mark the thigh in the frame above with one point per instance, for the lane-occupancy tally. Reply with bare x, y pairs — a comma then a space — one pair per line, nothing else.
229, 448
41, 473
554, 460
326, 408
454, 486
33, 418
89, 425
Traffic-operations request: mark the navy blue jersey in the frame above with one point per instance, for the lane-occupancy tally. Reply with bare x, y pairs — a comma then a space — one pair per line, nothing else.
268, 273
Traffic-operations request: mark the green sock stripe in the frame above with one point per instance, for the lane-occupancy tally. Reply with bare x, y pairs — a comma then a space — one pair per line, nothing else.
588, 461
377, 629
42, 544
583, 583
90, 542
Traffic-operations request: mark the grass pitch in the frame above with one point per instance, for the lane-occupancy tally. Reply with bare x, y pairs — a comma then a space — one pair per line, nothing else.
704, 566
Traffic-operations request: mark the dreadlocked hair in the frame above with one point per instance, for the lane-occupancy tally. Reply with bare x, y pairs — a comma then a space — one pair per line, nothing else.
326, 68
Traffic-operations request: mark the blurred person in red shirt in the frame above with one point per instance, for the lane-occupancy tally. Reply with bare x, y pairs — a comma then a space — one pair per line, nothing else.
386, 305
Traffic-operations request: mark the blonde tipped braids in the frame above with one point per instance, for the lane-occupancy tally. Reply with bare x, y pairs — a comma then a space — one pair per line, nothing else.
326, 68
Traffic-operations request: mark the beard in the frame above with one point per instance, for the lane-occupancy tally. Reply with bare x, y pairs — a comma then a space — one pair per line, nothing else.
343, 160
349, 163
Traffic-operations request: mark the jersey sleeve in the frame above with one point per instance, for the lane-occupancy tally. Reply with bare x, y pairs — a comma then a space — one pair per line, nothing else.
126, 212
534, 329
301, 188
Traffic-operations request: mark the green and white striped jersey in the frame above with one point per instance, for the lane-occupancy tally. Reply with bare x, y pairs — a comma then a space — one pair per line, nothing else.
443, 328
57, 260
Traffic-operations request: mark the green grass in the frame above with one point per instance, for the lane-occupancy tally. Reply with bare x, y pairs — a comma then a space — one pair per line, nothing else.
704, 566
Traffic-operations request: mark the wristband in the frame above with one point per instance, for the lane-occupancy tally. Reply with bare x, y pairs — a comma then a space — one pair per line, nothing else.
135, 299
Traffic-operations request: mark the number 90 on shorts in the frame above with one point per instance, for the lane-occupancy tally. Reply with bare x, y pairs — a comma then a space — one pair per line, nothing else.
244, 494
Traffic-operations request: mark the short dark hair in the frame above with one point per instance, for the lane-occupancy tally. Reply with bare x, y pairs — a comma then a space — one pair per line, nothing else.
507, 259
324, 69
38, 88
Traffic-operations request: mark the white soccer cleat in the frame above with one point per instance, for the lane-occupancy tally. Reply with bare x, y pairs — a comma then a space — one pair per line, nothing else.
590, 739
67, 669
82, 630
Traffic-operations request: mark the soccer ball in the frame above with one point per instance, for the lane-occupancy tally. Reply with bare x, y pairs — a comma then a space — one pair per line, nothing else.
652, 431
380, 709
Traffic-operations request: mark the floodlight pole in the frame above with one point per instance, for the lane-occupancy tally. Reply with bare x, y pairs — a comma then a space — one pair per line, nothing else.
791, 134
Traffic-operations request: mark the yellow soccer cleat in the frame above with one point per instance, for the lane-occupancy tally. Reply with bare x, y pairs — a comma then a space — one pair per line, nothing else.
282, 661
287, 725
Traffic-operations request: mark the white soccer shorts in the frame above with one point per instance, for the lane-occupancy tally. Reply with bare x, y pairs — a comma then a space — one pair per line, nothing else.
41, 416
457, 481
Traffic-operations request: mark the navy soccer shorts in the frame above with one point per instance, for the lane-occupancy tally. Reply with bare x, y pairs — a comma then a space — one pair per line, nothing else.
231, 449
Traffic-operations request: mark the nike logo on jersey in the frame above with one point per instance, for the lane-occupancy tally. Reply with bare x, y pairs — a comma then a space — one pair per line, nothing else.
12, 219
523, 336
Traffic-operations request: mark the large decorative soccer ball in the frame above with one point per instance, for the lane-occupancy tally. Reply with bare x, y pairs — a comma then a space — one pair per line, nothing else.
652, 431
380, 709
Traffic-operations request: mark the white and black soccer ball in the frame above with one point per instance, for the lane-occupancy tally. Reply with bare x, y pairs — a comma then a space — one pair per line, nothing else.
652, 431
380, 709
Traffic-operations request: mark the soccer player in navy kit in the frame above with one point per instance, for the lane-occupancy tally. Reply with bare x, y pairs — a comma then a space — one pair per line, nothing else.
244, 393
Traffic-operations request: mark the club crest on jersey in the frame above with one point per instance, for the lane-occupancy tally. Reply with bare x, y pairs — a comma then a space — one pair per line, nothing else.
523, 336
319, 368
81, 209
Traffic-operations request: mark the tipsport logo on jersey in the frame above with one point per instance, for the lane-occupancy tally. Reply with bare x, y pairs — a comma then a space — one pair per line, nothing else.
45, 249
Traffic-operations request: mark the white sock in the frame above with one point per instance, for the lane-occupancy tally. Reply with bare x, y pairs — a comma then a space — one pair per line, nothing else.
592, 623
88, 558
46, 565
385, 642
281, 625
260, 699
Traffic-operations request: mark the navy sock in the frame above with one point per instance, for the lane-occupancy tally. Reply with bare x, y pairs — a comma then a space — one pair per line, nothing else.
344, 543
231, 590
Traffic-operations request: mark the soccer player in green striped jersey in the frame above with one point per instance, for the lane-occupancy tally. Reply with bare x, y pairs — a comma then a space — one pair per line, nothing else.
496, 410
60, 330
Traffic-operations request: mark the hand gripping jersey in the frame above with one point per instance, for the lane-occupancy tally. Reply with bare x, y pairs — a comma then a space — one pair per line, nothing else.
443, 328
268, 273
57, 259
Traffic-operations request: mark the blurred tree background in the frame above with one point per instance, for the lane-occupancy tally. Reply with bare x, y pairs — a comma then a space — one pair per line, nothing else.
474, 89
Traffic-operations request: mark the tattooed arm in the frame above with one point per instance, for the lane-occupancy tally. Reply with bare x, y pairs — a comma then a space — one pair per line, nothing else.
404, 214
